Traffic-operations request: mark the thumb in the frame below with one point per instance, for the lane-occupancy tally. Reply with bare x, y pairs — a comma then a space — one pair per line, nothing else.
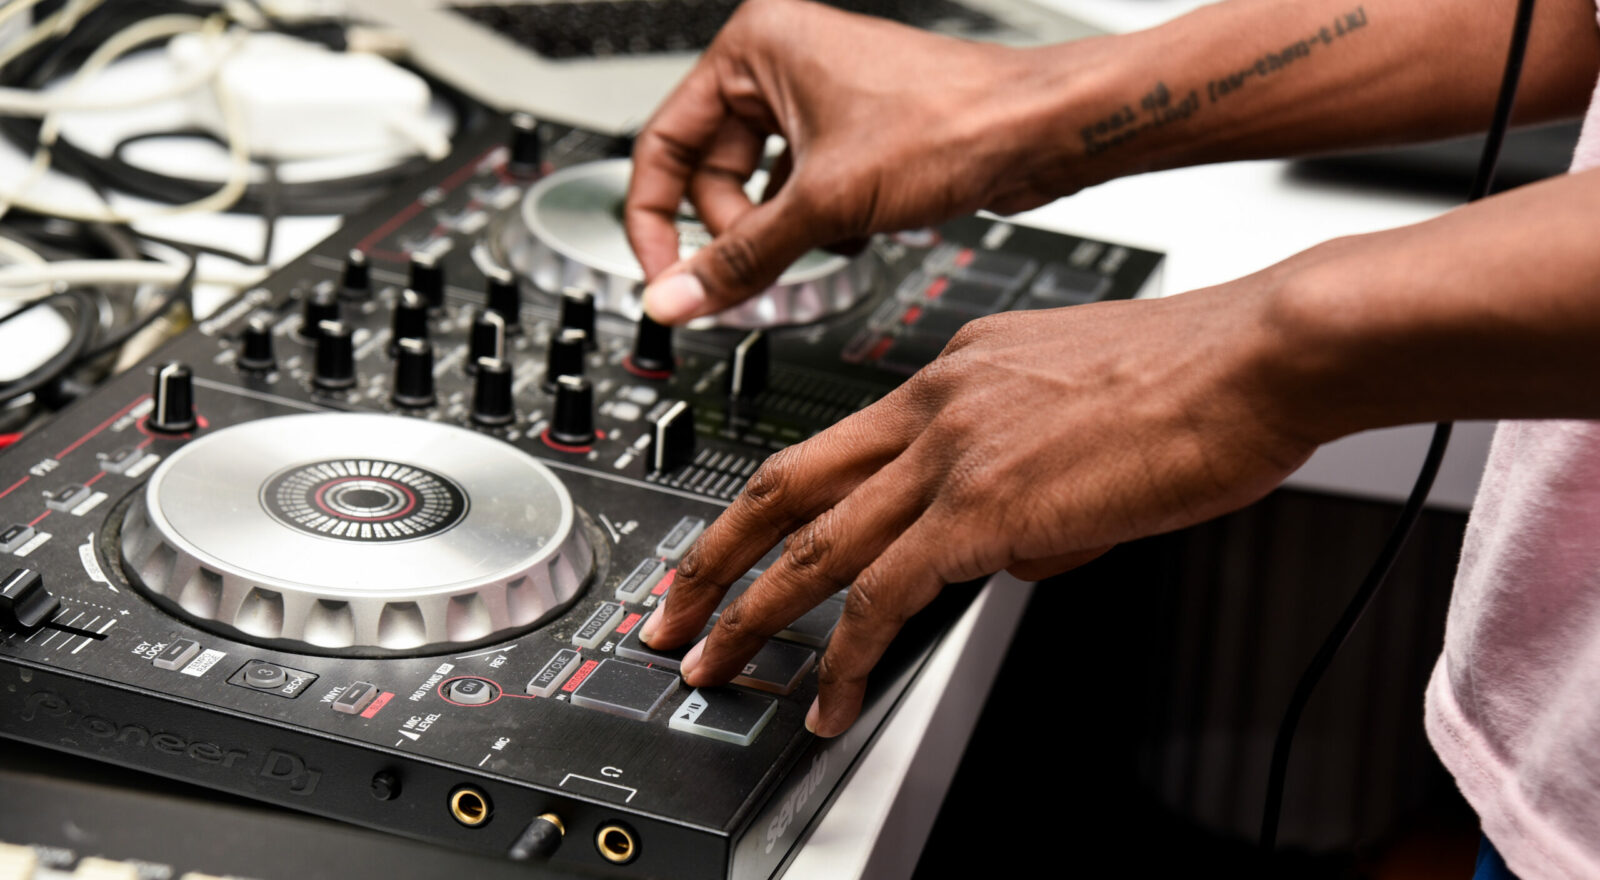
741, 262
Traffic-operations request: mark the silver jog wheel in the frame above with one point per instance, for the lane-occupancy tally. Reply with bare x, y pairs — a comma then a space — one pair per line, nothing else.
568, 232
356, 534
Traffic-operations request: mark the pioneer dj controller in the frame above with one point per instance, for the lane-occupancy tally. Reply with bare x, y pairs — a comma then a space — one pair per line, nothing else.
376, 539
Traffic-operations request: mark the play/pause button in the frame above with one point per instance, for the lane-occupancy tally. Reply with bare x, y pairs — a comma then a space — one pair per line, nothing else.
724, 713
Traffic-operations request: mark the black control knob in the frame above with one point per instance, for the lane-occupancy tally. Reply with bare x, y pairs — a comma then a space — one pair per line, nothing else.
321, 304
427, 279
577, 313
410, 319
749, 365
572, 425
491, 396
25, 604
336, 357
255, 344
504, 296
672, 442
652, 350
488, 339
527, 147
174, 400
356, 281
566, 356
413, 373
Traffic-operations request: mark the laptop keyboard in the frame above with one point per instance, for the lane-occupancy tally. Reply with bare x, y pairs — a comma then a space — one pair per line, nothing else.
604, 28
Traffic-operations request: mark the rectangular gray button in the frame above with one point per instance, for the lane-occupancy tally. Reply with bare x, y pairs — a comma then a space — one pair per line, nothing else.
15, 536
355, 697
1063, 285
598, 626
639, 582
777, 667
815, 626
119, 461
634, 649
627, 690
554, 673
721, 713
177, 654
682, 535
812, 628
735, 591
64, 498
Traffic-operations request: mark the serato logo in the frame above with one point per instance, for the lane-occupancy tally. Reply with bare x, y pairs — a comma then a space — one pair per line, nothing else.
796, 800
276, 765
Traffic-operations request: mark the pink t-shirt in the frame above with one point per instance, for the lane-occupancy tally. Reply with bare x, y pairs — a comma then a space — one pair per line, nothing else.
1513, 707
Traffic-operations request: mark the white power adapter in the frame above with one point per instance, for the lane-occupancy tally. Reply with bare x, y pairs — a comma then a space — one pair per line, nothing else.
301, 100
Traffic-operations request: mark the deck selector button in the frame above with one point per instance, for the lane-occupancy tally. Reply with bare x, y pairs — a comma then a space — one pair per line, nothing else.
265, 675
270, 678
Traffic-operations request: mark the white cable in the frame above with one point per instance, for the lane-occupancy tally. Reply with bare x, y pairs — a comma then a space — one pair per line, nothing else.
85, 272
62, 21
20, 254
144, 31
120, 44
430, 141
10, 10
28, 102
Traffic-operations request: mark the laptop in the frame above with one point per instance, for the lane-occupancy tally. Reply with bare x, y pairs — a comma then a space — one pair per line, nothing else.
606, 65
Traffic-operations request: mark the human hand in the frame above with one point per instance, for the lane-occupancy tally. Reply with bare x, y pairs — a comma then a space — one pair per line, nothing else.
1033, 443
887, 128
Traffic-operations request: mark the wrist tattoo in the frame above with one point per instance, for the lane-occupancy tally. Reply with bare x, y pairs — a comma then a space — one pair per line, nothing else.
1157, 108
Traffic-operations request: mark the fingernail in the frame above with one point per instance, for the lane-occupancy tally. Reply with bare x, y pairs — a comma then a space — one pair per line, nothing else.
651, 624
813, 716
691, 659
675, 298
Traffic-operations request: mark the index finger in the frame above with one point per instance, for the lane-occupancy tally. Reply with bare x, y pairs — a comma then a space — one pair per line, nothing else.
665, 156
790, 489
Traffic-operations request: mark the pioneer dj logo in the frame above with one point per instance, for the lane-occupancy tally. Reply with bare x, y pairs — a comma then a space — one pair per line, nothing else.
796, 801
277, 766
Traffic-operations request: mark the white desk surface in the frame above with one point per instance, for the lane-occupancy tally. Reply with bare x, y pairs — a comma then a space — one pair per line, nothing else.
1220, 222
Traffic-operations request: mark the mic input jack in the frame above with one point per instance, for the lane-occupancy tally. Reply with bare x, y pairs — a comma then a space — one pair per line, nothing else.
470, 806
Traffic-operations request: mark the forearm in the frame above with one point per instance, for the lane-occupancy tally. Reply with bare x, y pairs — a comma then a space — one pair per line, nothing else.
1491, 311
1260, 78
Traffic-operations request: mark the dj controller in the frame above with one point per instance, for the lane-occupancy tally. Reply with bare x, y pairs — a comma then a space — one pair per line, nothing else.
376, 540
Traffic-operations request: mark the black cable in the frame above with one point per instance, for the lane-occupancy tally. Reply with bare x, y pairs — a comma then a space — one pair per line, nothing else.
225, 253
271, 192
62, 361
181, 290
1412, 510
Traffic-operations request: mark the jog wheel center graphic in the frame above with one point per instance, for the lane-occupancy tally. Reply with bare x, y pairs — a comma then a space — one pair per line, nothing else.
364, 500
